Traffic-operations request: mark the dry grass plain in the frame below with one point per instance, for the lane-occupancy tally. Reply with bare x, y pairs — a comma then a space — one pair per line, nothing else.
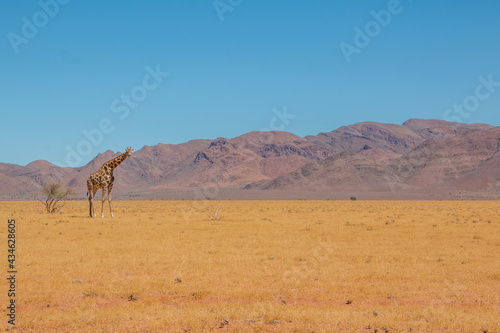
265, 266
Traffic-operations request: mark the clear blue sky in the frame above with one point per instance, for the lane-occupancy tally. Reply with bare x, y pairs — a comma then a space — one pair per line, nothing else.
89, 64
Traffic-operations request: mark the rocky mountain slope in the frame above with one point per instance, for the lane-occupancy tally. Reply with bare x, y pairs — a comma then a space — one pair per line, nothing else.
419, 155
467, 161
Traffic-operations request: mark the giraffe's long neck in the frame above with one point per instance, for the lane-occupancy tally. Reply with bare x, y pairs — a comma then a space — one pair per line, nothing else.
112, 164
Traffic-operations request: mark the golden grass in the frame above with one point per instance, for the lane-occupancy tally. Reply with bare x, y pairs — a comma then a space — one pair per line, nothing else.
266, 266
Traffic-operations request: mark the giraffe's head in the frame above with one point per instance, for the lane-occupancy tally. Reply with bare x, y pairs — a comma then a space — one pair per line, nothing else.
128, 151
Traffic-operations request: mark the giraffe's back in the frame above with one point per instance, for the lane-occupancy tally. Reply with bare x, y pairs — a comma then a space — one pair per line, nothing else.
98, 179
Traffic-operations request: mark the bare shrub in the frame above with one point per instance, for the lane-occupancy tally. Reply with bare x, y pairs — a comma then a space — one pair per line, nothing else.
54, 197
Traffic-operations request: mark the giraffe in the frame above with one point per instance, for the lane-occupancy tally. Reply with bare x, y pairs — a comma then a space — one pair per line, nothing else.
103, 179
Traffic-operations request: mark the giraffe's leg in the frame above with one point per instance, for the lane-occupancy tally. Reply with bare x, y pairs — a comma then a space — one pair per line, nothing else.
90, 202
94, 191
110, 190
103, 200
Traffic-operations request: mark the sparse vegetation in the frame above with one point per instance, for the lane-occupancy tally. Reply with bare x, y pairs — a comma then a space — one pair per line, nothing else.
353, 198
253, 275
53, 197
214, 216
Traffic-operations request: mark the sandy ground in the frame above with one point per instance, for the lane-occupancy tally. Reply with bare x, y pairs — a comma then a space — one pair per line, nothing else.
256, 266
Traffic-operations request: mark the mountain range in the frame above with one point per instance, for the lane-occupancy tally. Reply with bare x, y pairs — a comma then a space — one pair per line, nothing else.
419, 159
